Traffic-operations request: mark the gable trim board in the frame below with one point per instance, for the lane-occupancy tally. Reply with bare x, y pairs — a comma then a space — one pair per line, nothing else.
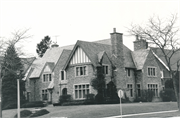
161, 61
78, 44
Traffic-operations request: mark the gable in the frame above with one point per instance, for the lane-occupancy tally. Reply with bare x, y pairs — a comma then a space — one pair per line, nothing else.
79, 56
47, 69
139, 58
151, 60
105, 59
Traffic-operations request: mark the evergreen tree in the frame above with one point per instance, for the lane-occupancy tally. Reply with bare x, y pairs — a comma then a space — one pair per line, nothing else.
11, 64
98, 83
43, 46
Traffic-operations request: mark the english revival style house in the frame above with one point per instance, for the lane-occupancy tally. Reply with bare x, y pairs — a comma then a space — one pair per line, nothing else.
69, 70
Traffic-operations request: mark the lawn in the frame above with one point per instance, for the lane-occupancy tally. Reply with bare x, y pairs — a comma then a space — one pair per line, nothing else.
99, 111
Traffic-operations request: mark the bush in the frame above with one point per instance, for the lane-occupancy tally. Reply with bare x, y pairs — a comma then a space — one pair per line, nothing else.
99, 98
168, 95
74, 102
24, 113
146, 96
34, 104
40, 113
56, 104
64, 98
10, 106
125, 99
89, 99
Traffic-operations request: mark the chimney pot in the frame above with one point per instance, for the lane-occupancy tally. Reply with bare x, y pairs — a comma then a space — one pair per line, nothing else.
114, 30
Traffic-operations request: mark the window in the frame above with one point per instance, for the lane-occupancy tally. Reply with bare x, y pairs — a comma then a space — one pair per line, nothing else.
129, 86
154, 88
47, 77
105, 69
81, 91
138, 90
62, 75
80, 71
128, 72
45, 94
151, 71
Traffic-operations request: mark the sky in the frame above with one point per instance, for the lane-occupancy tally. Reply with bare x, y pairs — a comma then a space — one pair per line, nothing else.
68, 21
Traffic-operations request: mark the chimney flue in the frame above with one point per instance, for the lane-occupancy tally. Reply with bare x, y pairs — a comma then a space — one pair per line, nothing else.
114, 30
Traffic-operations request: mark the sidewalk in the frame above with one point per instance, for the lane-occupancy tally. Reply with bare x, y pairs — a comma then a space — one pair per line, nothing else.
175, 114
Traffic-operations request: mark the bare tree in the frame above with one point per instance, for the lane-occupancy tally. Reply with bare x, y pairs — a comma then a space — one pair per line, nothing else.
163, 33
18, 36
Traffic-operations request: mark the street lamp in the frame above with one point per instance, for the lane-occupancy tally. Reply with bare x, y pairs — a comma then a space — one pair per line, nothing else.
18, 93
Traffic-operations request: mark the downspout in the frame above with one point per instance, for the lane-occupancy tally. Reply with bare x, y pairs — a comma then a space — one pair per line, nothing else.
34, 90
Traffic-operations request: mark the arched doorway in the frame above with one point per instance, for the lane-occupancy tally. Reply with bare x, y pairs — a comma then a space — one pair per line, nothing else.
64, 91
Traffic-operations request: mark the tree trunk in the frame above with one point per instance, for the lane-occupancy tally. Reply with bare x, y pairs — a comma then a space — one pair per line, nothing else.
175, 89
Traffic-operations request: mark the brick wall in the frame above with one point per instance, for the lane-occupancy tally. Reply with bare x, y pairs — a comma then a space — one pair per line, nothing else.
72, 79
151, 62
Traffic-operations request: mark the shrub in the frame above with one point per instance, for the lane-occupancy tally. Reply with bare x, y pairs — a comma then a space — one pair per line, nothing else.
168, 95
99, 98
125, 99
146, 96
40, 113
34, 104
74, 102
64, 98
10, 106
89, 99
56, 104
24, 113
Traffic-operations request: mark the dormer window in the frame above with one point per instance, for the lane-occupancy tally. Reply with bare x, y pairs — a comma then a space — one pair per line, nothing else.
47, 78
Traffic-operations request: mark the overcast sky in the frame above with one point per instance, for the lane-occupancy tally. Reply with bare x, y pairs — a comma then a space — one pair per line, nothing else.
77, 20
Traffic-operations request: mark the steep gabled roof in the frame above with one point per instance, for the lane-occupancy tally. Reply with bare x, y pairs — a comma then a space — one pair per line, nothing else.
51, 56
139, 57
174, 59
91, 49
51, 65
37, 66
94, 50
127, 53
62, 60
100, 55
27, 63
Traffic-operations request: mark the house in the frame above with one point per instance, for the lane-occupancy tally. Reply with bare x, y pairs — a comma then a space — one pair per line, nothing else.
70, 69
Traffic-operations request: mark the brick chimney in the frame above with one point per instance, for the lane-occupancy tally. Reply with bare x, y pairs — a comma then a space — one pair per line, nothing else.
140, 43
118, 59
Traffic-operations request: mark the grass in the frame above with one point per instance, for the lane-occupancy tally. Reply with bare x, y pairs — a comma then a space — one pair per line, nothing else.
99, 111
